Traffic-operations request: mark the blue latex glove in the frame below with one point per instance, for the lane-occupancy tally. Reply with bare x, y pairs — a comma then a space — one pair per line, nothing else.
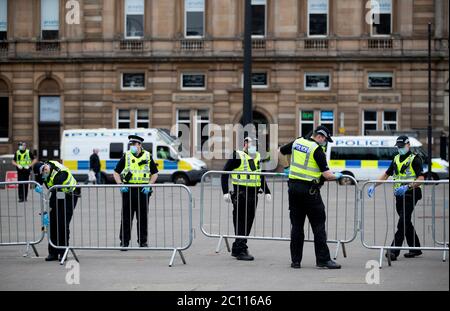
45, 220
399, 192
338, 175
124, 189
147, 190
371, 191
38, 189
286, 171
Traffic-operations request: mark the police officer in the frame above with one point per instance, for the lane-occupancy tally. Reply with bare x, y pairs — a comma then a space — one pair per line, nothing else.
405, 166
52, 173
307, 173
135, 167
245, 193
23, 161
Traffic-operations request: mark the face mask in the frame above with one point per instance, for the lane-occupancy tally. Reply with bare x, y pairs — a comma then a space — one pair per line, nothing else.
133, 149
21, 148
323, 144
402, 151
45, 175
252, 149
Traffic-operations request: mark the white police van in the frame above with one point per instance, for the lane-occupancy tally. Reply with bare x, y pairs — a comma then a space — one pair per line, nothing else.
77, 146
367, 157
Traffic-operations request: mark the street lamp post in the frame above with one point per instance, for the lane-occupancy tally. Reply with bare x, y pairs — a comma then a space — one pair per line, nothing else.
247, 117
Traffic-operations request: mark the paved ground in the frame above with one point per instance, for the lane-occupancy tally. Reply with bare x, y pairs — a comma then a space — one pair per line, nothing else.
206, 270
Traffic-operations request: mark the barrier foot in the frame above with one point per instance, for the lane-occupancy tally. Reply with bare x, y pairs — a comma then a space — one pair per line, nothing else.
27, 250
380, 263
172, 258
64, 257
74, 255
444, 256
344, 250
228, 245
35, 250
389, 257
219, 244
182, 256
337, 250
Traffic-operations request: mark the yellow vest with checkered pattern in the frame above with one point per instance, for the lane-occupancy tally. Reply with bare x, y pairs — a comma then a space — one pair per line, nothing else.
404, 170
70, 181
247, 180
23, 159
303, 165
140, 171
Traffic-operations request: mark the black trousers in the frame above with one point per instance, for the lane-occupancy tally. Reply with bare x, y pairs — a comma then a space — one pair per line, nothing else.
23, 175
61, 212
134, 202
405, 228
301, 204
245, 200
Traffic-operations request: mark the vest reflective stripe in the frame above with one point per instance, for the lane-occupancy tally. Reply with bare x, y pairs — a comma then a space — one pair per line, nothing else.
140, 173
409, 173
247, 180
23, 159
303, 166
70, 180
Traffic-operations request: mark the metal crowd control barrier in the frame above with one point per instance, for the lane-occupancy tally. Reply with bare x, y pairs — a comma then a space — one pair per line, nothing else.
272, 220
97, 223
380, 218
21, 222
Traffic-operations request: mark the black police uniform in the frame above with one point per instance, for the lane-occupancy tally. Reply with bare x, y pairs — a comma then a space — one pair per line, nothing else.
134, 202
23, 175
61, 211
405, 207
242, 197
305, 200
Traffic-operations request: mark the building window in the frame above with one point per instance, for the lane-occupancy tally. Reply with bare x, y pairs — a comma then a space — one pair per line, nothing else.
134, 19
306, 122
327, 120
200, 120
193, 81
4, 117
382, 17
133, 81
123, 119
389, 120
317, 81
194, 18
370, 121
202, 134
380, 80
142, 118
259, 18
3, 20
50, 19
317, 18
259, 80
49, 109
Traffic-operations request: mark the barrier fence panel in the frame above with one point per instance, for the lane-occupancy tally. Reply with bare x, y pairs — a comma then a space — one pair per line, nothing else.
271, 219
21, 222
102, 215
381, 223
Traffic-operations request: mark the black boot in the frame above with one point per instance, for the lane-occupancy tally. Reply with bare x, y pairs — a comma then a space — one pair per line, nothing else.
51, 257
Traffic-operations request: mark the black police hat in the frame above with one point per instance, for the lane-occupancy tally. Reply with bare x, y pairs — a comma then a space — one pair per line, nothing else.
135, 139
38, 167
323, 130
402, 141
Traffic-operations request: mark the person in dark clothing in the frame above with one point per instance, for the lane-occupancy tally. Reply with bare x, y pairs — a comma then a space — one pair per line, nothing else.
94, 165
23, 161
307, 173
405, 166
52, 173
245, 193
135, 167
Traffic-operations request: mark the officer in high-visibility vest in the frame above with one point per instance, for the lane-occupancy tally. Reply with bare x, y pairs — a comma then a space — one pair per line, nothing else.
52, 173
135, 167
245, 193
307, 173
405, 166
23, 161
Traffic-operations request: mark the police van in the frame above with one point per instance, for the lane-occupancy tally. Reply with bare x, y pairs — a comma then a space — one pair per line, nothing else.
367, 157
77, 146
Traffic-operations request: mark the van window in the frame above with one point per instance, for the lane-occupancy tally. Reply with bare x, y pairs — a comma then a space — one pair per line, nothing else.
115, 150
148, 147
362, 153
163, 153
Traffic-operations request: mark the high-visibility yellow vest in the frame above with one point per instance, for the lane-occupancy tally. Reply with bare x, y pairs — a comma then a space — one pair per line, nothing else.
404, 170
139, 168
23, 159
247, 180
70, 181
303, 165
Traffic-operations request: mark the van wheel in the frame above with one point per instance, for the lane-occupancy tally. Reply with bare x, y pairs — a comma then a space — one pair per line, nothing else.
181, 179
346, 180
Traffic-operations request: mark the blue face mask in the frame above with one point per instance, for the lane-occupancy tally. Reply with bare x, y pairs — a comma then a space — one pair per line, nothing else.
133, 149
45, 175
402, 151
252, 149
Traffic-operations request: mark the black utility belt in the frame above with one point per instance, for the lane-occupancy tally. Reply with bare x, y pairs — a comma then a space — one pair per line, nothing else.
302, 182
